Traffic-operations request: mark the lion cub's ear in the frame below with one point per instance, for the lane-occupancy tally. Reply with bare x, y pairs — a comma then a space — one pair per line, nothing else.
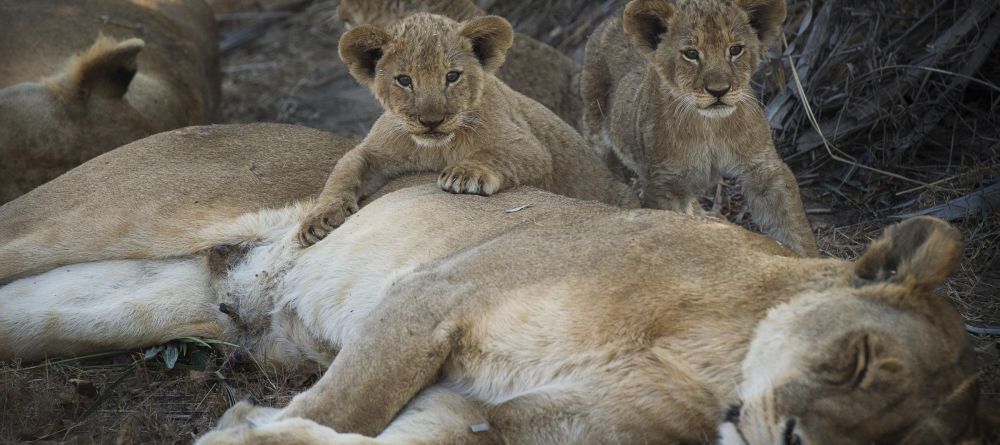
105, 69
918, 253
766, 17
491, 37
361, 48
645, 22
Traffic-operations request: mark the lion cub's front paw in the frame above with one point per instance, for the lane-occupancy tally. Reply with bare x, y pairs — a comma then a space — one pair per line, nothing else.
471, 179
327, 217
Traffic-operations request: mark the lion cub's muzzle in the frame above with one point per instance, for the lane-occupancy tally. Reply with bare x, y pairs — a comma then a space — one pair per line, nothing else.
433, 131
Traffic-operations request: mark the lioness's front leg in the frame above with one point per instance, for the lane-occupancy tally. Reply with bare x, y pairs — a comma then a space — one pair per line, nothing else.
436, 416
490, 170
388, 359
773, 198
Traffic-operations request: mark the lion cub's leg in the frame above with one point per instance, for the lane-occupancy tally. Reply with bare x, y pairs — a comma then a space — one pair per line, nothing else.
339, 198
774, 201
673, 187
491, 169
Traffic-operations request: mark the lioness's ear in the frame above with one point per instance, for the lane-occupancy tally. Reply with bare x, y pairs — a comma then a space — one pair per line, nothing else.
645, 22
919, 253
766, 17
361, 48
105, 69
491, 37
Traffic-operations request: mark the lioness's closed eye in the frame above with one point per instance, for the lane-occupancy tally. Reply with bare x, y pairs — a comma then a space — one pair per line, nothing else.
445, 111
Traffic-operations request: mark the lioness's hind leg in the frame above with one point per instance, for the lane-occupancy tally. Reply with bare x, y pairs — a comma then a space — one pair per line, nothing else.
107, 305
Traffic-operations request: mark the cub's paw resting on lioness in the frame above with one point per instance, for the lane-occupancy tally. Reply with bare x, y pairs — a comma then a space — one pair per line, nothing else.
326, 217
446, 112
466, 177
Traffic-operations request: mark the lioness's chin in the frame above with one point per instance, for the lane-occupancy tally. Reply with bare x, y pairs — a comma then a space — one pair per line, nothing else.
427, 141
717, 111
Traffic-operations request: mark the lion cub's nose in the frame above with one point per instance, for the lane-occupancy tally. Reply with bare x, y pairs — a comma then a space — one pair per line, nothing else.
431, 123
717, 90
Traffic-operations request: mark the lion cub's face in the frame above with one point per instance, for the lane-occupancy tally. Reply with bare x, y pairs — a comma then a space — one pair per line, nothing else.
881, 361
428, 71
705, 51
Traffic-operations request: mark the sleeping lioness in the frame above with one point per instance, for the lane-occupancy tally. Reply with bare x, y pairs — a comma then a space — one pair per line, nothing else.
567, 326
666, 87
79, 78
445, 319
446, 112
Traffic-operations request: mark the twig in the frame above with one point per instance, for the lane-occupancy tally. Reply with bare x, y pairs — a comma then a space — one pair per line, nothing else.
826, 143
935, 70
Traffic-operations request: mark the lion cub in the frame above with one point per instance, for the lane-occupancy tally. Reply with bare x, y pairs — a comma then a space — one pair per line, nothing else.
445, 109
666, 87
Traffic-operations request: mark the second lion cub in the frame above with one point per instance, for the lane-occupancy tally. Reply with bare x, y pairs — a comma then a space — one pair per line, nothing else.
667, 88
444, 109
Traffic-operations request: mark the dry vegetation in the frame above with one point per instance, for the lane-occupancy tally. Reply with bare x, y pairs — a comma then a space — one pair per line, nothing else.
892, 111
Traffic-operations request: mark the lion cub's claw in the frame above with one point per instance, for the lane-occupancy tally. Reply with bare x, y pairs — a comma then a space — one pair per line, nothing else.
470, 179
321, 222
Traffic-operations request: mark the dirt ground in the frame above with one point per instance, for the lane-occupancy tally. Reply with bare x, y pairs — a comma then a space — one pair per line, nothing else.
282, 66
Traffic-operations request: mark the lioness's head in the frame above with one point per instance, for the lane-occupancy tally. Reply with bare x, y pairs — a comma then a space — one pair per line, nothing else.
387, 12
883, 360
428, 71
705, 51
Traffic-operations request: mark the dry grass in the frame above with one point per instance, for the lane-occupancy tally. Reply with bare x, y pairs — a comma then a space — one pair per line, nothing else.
904, 94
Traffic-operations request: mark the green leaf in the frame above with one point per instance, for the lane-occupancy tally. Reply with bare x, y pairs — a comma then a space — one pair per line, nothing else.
194, 340
170, 355
198, 360
151, 352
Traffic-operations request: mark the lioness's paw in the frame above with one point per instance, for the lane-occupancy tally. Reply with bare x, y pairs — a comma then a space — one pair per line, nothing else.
322, 221
283, 432
471, 179
246, 413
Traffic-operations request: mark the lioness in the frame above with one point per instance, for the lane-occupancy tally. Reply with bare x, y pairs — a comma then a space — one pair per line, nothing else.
531, 68
555, 324
446, 110
80, 78
152, 198
667, 87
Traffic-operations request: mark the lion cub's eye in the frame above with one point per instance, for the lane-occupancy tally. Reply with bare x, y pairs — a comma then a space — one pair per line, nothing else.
735, 50
690, 54
452, 76
404, 81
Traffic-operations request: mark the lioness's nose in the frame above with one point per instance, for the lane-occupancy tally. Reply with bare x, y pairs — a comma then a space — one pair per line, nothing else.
718, 90
431, 123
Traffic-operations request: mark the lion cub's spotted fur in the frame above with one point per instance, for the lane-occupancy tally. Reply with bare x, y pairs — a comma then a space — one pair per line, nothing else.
447, 112
667, 90
532, 68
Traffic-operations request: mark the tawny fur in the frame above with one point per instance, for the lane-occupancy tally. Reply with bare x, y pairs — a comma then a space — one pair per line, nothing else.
483, 137
556, 323
532, 67
118, 71
650, 106
151, 198
506, 320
